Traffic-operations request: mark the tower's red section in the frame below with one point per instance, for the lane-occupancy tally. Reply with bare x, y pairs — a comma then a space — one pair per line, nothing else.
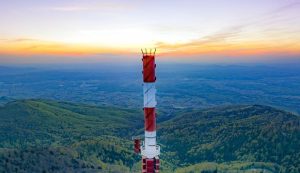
149, 68
150, 119
150, 165
137, 145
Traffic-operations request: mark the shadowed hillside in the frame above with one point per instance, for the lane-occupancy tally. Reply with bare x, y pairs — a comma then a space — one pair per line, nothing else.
32, 122
78, 137
237, 133
49, 136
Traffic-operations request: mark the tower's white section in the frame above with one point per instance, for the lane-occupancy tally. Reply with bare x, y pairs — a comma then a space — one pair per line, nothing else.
149, 95
149, 148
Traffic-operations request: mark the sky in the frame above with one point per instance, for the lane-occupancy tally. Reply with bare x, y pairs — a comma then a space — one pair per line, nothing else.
197, 30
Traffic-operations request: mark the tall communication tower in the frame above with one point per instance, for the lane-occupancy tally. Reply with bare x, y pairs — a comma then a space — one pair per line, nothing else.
149, 149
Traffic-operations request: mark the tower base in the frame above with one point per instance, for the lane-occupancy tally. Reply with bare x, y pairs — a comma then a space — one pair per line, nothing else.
150, 165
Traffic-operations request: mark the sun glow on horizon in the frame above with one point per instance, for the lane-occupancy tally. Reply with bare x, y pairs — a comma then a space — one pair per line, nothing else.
119, 27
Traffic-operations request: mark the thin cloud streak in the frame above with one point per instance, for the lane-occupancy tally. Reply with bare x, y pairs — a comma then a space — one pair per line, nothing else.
91, 7
25, 46
228, 40
70, 8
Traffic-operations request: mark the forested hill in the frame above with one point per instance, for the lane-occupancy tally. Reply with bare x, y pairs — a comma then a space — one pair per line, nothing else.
236, 133
44, 122
49, 136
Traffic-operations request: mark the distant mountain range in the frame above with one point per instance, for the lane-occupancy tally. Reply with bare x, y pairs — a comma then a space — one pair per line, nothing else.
50, 136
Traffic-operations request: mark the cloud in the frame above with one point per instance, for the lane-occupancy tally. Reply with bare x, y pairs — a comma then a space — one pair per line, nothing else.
216, 38
70, 8
27, 46
238, 38
90, 7
19, 40
285, 7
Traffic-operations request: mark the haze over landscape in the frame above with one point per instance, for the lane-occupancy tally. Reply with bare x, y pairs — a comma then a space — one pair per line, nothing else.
228, 85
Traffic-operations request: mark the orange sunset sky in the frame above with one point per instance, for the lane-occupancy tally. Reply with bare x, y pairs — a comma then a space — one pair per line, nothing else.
189, 28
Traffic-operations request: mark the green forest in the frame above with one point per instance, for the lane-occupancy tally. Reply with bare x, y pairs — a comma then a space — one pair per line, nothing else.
50, 136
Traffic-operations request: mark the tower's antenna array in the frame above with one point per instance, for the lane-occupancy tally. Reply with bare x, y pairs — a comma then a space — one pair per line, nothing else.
149, 52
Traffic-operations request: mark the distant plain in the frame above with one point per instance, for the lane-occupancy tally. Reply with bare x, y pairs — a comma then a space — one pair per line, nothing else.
178, 85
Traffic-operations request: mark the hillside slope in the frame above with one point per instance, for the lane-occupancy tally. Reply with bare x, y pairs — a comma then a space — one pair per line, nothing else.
237, 133
83, 137
31, 122
62, 137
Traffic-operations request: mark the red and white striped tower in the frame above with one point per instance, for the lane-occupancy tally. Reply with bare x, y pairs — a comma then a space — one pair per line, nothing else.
149, 150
